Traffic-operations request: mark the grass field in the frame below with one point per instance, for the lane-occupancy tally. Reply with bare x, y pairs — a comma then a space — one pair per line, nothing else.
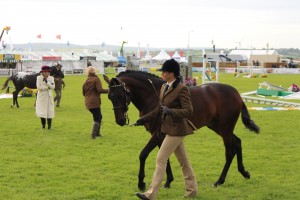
64, 163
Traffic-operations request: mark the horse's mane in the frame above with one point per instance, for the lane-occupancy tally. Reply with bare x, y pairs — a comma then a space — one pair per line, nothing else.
22, 75
140, 76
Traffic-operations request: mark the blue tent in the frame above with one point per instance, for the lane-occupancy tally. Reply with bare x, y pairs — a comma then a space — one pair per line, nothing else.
121, 59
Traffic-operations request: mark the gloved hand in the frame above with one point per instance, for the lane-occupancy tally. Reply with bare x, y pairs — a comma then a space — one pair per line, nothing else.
140, 122
49, 83
166, 111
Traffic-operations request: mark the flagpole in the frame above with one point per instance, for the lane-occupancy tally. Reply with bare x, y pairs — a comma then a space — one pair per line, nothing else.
58, 37
61, 50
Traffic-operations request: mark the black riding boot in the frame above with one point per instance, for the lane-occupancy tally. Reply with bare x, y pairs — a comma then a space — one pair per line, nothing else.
98, 130
58, 102
43, 120
49, 122
95, 130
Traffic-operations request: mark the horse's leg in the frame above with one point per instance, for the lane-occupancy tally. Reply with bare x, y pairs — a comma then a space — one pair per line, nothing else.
152, 143
229, 155
225, 130
170, 177
239, 155
16, 95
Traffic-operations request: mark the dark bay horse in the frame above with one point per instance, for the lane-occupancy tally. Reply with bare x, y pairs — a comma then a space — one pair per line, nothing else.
215, 105
21, 80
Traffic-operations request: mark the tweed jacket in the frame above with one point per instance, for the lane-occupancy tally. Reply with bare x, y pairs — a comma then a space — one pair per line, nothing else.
91, 90
178, 99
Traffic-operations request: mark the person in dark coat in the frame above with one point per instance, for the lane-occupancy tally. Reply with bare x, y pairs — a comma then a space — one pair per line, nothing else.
59, 83
175, 108
91, 90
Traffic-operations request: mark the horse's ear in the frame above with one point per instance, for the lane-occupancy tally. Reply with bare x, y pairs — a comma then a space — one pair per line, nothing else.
107, 80
112, 81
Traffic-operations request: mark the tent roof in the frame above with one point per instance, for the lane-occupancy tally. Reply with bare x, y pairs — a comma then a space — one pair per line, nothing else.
176, 55
248, 52
162, 56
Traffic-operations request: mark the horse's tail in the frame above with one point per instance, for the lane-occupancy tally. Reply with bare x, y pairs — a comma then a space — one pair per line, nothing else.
250, 124
6, 83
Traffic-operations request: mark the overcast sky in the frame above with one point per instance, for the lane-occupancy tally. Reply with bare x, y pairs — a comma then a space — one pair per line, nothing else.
159, 23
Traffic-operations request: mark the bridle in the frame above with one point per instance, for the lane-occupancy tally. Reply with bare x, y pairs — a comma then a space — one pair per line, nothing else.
126, 94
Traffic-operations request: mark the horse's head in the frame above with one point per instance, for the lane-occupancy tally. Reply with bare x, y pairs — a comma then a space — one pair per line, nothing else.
59, 66
120, 98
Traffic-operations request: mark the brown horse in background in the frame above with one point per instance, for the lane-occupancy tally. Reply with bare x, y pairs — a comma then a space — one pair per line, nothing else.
215, 105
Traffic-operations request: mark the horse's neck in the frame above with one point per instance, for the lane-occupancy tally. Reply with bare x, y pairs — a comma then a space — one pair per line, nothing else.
145, 100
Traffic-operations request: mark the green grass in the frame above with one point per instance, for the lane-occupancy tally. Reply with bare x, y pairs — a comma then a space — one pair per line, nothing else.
65, 163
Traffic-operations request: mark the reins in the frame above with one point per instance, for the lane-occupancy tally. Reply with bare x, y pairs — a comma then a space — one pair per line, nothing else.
155, 122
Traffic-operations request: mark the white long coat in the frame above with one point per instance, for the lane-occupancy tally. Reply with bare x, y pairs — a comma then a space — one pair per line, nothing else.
44, 100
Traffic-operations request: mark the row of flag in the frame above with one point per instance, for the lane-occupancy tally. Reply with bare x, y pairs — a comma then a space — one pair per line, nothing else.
39, 36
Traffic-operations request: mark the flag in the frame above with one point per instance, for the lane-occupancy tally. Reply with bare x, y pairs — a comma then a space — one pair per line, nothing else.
171, 54
58, 37
39, 36
141, 54
181, 53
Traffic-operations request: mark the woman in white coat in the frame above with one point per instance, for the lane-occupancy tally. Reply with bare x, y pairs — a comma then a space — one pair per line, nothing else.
44, 102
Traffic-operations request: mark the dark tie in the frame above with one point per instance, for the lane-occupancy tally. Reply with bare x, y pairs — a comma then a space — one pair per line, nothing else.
166, 89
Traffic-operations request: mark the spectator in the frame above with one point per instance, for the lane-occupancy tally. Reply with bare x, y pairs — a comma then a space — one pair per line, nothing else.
44, 101
91, 90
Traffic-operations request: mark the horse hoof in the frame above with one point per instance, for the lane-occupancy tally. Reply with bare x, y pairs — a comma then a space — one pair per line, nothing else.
246, 175
11, 106
216, 184
167, 185
142, 186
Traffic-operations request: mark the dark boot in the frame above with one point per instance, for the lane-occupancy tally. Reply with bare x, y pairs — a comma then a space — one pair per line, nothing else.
43, 120
49, 122
58, 102
95, 131
98, 131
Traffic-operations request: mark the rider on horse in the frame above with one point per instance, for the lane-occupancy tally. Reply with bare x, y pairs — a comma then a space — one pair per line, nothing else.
59, 83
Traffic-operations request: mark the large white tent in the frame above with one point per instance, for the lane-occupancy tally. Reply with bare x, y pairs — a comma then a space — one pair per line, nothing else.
162, 56
178, 58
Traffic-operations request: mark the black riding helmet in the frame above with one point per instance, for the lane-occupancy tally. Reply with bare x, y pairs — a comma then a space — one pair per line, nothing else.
171, 66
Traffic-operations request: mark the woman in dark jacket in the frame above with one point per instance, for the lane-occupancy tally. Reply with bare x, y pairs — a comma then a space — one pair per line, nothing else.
91, 90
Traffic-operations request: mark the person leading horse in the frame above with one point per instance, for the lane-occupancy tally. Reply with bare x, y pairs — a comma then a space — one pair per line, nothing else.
59, 83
